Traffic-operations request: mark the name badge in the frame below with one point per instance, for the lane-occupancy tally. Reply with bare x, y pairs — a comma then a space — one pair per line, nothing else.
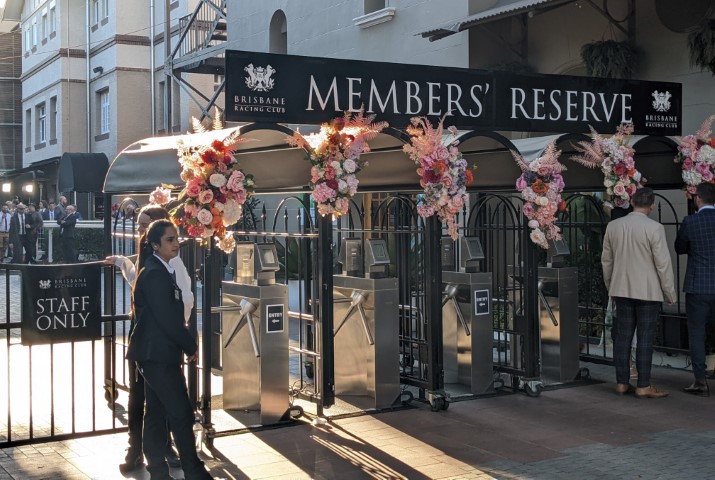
177, 294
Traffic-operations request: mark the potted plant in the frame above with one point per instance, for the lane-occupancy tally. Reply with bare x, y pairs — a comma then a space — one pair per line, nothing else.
701, 44
609, 58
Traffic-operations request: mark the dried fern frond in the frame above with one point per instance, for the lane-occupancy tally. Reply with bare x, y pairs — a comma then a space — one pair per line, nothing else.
197, 126
705, 128
520, 161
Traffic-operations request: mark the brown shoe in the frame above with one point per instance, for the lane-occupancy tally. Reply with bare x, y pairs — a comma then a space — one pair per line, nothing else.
625, 388
650, 392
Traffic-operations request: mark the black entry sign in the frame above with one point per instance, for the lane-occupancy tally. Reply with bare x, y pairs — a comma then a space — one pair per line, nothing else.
481, 302
61, 303
264, 87
274, 318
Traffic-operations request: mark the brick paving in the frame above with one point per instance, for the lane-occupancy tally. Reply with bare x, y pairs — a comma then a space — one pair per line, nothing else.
581, 432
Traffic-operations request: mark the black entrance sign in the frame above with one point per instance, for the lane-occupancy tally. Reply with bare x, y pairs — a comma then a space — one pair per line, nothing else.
481, 302
264, 87
61, 303
274, 318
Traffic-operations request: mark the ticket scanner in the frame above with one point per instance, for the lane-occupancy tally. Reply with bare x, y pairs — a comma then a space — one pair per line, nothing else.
255, 336
558, 316
366, 326
467, 330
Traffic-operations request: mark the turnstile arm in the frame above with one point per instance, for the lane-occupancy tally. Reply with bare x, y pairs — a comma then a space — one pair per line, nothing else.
358, 298
247, 309
450, 292
547, 307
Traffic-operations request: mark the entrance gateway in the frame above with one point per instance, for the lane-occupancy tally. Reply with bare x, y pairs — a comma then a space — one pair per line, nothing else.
314, 90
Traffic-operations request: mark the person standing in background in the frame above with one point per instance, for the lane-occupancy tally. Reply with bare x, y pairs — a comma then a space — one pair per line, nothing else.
34, 231
696, 238
67, 225
20, 227
638, 274
5, 217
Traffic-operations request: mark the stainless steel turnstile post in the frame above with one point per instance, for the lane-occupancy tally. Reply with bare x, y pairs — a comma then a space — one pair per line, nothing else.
255, 350
558, 319
366, 339
467, 331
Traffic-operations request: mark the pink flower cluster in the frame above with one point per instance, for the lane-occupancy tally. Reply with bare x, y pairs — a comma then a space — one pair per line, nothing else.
615, 158
334, 153
443, 171
541, 185
215, 190
696, 155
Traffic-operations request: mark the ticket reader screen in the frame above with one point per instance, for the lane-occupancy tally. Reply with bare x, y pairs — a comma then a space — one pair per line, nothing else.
471, 253
351, 257
377, 258
267, 258
558, 250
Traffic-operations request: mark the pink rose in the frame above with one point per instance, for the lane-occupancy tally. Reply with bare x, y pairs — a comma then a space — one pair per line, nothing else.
205, 196
235, 181
521, 184
204, 216
619, 189
193, 189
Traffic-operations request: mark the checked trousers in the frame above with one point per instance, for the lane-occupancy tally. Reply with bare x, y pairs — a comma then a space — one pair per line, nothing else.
632, 313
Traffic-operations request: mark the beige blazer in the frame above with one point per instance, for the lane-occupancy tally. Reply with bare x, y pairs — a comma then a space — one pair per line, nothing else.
635, 259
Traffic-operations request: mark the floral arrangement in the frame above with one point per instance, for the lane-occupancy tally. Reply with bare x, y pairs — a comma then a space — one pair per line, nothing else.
615, 158
541, 185
696, 155
442, 169
334, 153
215, 191
161, 195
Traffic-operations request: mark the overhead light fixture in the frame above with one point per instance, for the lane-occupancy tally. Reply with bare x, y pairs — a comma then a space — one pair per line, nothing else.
29, 188
6, 187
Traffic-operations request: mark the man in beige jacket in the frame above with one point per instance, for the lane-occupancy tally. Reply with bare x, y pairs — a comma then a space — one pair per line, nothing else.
639, 275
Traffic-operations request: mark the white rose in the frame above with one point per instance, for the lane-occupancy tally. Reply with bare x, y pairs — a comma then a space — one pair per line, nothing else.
204, 216
231, 212
350, 166
543, 201
218, 180
343, 186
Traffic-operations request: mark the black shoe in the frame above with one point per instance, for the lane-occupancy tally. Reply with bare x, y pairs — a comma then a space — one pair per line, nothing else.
131, 462
699, 387
172, 458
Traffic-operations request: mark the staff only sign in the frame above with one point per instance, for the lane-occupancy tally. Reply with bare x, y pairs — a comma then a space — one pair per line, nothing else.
61, 303
263, 87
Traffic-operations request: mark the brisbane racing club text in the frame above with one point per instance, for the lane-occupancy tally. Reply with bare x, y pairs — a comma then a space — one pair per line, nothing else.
255, 103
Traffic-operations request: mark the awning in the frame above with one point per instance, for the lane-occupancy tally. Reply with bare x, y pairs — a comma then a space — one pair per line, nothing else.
82, 172
501, 9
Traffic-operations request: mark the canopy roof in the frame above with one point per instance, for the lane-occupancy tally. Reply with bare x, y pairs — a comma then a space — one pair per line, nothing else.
278, 167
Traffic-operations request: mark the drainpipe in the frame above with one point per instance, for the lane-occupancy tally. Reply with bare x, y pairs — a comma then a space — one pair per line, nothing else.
87, 73
167, 71
152, 60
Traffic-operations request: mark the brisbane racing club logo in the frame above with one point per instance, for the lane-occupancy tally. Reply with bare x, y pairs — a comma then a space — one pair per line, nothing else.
45, 284
661, 101
259, 78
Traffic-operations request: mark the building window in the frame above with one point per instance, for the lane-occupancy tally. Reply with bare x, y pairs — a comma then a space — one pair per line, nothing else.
41, 123
96, 14
34, 32
28, 128
218, 80
28, 39
53, 118
44, 31
103, 100
374, 5
161, 107
53, 17
278, 33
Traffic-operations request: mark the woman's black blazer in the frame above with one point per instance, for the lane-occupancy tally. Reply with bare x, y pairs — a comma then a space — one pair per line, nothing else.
159, 334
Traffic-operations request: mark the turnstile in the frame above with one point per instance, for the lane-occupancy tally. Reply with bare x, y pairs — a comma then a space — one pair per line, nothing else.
558, 318
366, 339
255, 336
467, 331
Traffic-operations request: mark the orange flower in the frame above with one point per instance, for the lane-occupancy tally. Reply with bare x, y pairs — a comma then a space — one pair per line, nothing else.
539, 186
562, 206
439, 168
469, 176
217, 221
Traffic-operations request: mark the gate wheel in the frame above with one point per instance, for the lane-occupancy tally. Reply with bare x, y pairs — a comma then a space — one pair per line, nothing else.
533, 391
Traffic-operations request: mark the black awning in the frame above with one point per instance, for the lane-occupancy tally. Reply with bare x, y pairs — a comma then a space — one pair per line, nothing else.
82, 172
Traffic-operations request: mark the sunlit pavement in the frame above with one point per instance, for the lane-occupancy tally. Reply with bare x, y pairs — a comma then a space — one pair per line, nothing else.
581, 432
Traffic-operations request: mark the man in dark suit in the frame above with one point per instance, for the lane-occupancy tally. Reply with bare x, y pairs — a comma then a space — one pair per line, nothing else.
67, 225
37, 225
696, 237
50, 213
21, 235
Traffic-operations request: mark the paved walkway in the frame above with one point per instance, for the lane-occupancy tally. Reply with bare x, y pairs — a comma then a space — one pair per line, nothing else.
581, 432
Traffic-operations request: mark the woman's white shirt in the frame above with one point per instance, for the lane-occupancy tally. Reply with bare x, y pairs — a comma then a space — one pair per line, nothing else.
129, 272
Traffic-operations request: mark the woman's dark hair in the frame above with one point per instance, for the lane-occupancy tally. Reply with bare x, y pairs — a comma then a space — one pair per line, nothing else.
155, 212
153, 235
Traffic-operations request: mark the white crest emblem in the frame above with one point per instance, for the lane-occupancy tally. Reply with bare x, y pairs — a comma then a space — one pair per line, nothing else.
45, 284
259, 78
661, 101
